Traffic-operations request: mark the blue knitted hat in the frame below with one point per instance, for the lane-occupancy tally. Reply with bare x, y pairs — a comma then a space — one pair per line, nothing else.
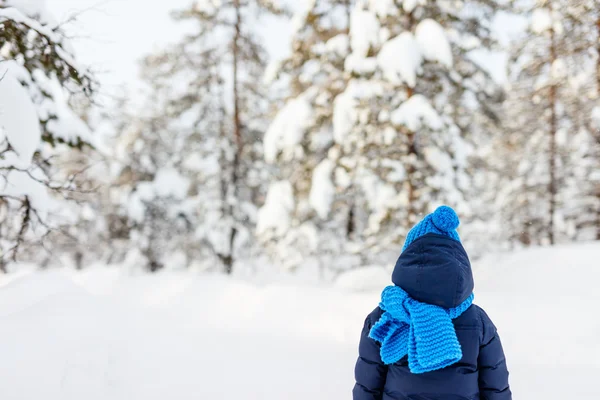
442, 221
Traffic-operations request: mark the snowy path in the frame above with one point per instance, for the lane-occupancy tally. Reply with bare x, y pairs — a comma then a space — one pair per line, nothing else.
96, 335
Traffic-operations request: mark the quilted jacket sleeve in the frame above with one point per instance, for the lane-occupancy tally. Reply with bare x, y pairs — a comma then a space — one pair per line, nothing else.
370, 372
493, 372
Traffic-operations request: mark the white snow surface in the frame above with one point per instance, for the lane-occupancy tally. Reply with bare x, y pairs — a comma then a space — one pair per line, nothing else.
344, 115
541, 20
21, 184
36, 9
380, 195
365, 279
416, 113
288, 128
104, 334
207, 165
360, 65
65, 124
18, 118
383, 8
19, 15
400, 59
301, 13
410, 5
339, 45
322, 190
364, 30
596, 117
276, 214
559, 69
168, 182
433, 42
438, 159
271, 72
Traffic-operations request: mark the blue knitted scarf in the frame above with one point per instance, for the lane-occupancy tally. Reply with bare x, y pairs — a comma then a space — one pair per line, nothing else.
423, 331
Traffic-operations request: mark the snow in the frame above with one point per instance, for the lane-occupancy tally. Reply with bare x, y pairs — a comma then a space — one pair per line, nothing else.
338, 45
364, 279
207, 166
168, 182
276, 214
104, 334
416, 113
360, 65
36, 9
381, 197
596, 117
18, 118
65, 124
300, 15
559, 69
364, 31
342, 178
383, 8
22, 184
397, 173
438, 159
541, 20
400, 59
288, 128
410, 5
344, 115
322, 190
272, 72
16, 15
433, 41
209, 7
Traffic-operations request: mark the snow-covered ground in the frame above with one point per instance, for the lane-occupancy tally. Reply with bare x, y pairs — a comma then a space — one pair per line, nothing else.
101, 335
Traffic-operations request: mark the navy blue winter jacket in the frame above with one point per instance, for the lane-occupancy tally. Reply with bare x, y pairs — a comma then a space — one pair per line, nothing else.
435, 269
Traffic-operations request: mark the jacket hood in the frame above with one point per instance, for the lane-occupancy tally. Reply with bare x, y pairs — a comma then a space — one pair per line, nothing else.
435, 269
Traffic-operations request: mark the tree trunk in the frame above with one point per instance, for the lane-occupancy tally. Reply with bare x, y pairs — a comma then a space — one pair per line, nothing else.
411, 215
350, 224
552, 186
228, 260
598, 98
348, 15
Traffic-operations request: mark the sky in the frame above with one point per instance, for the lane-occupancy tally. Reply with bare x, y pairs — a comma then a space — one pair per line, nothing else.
111, 36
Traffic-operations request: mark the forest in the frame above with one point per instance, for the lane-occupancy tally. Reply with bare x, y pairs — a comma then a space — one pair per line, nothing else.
230, 161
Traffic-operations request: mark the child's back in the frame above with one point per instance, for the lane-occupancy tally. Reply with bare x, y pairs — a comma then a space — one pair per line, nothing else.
426, 341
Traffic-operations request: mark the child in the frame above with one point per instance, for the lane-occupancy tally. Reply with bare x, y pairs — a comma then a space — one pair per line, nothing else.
426, 340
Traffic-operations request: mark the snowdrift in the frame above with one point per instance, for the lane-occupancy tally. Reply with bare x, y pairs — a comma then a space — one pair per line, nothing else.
99, 334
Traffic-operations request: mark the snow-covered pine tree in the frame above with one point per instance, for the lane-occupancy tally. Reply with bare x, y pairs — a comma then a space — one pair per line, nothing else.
582, 103
207, 127
381, 127
551, 189
156, 202
39, 78
300, 136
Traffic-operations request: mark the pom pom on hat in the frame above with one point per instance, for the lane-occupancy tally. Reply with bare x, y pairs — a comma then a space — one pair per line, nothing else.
443, 221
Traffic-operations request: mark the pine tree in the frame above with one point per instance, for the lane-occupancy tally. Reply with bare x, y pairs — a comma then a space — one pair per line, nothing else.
584, 19
550, 196
211, 110
390, 110
300, 136
39, 79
